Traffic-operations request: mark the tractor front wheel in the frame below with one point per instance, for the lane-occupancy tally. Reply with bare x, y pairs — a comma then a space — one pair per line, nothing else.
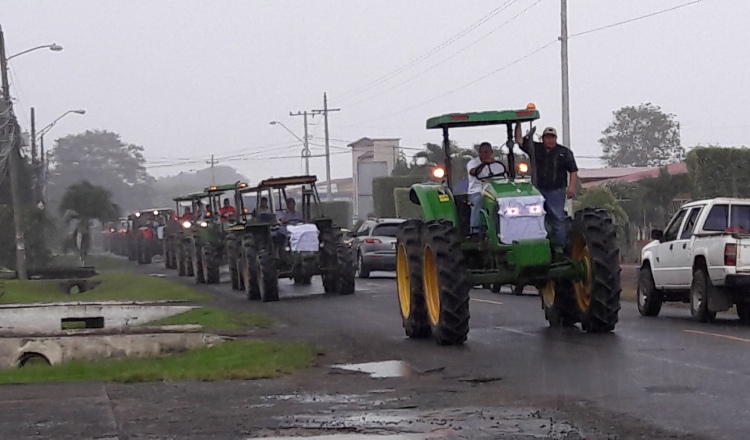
197, 263
338, 260
558, 304
446, 282
246, 273
594, 246
411, 298
211, 260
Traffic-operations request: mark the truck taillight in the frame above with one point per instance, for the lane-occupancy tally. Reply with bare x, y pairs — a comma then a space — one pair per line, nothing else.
730, 254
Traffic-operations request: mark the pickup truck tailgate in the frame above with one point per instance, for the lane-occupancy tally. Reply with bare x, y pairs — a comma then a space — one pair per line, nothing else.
743, 254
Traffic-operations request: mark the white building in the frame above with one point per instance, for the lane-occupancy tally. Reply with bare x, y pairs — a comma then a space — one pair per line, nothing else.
371, 158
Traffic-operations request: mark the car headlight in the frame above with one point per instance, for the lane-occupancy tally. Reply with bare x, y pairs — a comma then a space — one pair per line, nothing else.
204, 225
186, 225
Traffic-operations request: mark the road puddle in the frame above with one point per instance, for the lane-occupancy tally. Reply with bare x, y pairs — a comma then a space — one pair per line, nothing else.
382, 369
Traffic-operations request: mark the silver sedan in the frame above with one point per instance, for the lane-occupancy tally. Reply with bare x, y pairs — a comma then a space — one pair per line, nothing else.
375, 245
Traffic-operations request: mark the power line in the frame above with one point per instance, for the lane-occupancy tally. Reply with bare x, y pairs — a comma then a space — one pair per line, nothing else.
512, 63
636, 18
430, 53
413, 77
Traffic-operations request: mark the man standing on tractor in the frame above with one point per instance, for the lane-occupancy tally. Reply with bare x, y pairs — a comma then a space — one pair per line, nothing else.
553, 163
227, 210
480, 167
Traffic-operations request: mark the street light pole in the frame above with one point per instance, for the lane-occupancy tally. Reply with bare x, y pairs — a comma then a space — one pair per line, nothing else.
44, 166
306, 151
9, 138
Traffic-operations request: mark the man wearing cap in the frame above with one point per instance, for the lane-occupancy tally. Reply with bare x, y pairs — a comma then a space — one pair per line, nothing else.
553, 164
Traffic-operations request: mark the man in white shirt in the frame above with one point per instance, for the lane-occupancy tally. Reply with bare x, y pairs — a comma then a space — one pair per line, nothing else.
478, 168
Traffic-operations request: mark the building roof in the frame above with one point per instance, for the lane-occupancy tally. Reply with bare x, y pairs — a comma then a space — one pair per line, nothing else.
636, 174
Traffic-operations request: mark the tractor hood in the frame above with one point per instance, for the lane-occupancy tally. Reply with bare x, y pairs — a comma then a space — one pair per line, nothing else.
503, 188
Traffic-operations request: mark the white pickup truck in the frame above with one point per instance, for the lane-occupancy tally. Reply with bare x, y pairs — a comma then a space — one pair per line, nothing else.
701, 258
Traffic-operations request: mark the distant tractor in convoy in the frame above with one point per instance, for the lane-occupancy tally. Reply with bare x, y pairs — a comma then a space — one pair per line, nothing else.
276, 240
437, 264
701, 258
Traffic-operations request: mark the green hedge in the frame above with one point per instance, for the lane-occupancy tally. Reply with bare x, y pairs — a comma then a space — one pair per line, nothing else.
404, 207
719, 172
339, 210
383, 192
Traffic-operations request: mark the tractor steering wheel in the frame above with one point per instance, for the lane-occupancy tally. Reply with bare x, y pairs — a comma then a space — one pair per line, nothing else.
491, 173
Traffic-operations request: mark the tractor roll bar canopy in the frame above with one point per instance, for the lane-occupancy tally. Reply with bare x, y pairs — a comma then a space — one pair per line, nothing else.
474, 119
281, 182
222, 188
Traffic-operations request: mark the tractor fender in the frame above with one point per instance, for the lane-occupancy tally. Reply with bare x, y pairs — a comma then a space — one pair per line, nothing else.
437, 202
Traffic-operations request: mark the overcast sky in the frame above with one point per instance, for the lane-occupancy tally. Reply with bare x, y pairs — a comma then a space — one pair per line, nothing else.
187, 78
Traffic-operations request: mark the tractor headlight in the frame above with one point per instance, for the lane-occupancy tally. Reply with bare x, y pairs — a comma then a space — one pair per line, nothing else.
204, 225
536, 209
512, 211
523, 168
186, 225
137, 214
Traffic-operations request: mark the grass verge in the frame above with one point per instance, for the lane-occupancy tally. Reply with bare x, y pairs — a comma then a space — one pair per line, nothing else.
229, 360
217, 319
114, 287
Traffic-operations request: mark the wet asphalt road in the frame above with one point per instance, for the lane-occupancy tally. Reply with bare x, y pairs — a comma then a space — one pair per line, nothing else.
514, 378
681, 376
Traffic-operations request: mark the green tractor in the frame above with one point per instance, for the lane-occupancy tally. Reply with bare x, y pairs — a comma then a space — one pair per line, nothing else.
266, 247
438, 263
207, 237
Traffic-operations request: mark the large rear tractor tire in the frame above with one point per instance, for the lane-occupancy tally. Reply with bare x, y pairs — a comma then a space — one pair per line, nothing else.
338, 260
210, 260
593, 242
559, 304
411, 298
181, 260
197, 263
649, 298
446, 283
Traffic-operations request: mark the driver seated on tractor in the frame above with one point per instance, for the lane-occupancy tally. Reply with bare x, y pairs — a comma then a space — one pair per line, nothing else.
198, 211
227, 210
187, 215
553, 164
291, 214
478, 168
263, 213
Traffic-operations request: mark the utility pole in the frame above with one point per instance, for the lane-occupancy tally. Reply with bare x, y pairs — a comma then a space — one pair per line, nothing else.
33, 138
9, 138
564, 63
306, 151
324, 112
212, 162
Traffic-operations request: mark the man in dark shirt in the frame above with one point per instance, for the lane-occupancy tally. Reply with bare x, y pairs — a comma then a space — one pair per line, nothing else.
553, 164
